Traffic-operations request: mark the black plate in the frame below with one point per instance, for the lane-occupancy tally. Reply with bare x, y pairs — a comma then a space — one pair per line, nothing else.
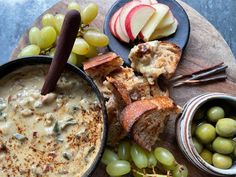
180, 37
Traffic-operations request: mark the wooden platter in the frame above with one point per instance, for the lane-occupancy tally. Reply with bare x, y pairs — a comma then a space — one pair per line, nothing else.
206, 47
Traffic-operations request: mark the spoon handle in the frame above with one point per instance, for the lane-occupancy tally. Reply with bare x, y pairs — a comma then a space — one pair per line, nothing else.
64, 46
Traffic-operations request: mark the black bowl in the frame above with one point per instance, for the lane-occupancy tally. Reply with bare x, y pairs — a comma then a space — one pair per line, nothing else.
180, 37
27, 61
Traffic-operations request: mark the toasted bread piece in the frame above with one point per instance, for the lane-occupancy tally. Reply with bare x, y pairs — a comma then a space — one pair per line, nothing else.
102, 65
129, 87
155, 58
145, 119
120, 91
115, 132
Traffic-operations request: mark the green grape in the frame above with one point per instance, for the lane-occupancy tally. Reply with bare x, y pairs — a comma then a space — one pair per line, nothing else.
180, 171
95, 38
59, 21
30, 50
118, 168
139, 156
165, 157
152, 161
89, 13
34, 35
80, 60
80, 47
124, 150
73, 6
109, 156
52, 52
48, 36
72, 59
92, 52
49, 20
92, 28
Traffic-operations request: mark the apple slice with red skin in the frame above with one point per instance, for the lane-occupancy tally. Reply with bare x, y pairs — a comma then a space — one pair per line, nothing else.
137, 18
113, 20
124, 12
118, 31
160, 11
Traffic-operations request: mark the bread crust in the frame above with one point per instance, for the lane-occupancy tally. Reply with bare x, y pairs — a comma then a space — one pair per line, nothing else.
134, 119
102, 65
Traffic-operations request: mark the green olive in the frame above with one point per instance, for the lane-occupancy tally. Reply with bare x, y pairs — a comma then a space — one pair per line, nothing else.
199, 114
226, 127
197, 145
223, 145
221, 161
206, 155
215, 113
193, 128
206, 133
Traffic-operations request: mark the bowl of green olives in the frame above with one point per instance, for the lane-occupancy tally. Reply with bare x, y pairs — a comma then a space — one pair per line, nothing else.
206, 133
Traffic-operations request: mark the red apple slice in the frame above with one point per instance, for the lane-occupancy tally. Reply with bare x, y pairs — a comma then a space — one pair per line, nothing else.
137, 18
118, 31
113, 20
167, 20
164, 32
160, 11
124, 12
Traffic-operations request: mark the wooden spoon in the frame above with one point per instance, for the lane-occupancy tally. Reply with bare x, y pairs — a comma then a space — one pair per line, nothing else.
64, 46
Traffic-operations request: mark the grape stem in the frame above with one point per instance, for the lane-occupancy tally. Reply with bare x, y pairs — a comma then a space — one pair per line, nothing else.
149, 175
45, 51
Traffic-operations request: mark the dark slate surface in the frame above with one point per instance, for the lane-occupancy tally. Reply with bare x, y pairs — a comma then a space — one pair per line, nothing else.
17, 15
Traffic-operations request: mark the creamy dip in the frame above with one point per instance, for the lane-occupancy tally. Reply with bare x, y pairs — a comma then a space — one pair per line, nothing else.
55, 135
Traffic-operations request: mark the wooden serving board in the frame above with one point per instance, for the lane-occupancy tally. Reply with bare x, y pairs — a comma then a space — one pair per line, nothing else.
206, 47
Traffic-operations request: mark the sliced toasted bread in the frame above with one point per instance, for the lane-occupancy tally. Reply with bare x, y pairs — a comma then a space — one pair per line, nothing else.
115, 132
155, 58
102, 65
145, 119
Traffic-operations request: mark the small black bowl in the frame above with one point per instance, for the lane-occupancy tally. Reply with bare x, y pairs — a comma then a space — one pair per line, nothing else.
35, 60
180, 37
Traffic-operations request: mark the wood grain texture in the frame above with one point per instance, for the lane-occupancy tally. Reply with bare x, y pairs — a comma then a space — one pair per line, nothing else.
206, 47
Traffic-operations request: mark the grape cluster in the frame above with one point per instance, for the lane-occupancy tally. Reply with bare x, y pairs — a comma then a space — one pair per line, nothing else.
131, 158
43, 41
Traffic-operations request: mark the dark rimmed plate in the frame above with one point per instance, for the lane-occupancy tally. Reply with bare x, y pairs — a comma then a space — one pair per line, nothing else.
180, 37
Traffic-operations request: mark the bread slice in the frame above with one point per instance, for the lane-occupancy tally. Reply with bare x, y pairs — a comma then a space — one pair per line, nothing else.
102, 65
115, 132
128, 87
145, 119
155, 58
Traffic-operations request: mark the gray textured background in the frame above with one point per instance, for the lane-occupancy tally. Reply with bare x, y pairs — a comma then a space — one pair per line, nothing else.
17, 15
